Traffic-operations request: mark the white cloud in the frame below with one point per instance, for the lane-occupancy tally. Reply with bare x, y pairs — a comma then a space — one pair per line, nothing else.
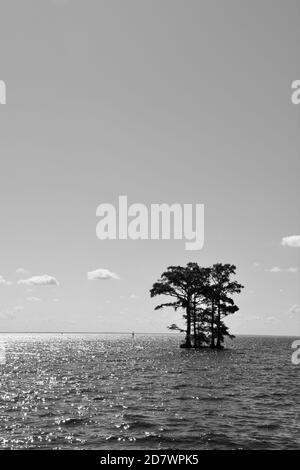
43, 280
101, 274
292, 270
56, 300
133, 296
3, 282
256, 265
292, 241
275, 269
33, 299
22, 272
295, 308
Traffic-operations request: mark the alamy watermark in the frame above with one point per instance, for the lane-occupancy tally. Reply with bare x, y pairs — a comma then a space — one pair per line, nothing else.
296, 354
2, 92
295, 97
158, 222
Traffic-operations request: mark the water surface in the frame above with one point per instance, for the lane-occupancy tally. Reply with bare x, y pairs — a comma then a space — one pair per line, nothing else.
108, 392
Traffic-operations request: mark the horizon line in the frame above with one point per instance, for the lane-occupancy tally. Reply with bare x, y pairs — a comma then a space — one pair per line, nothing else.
135, 332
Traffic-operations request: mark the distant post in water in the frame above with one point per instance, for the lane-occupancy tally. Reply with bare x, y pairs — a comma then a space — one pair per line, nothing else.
2, 92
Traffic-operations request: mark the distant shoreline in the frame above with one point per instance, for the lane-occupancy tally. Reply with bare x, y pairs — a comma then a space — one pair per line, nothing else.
127, 333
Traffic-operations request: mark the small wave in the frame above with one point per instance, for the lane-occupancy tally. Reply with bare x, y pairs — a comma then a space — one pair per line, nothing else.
270, 426
74, 421
142, 424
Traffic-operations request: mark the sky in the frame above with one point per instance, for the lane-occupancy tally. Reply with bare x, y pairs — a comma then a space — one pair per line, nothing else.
162, 101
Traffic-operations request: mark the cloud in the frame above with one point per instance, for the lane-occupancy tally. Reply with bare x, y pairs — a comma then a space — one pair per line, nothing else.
275, 269
22, 272
101, 274
3, 282
295, 308
56, 300
33, 299
292, 270
43, 280
256, 265
133, 296
292, 241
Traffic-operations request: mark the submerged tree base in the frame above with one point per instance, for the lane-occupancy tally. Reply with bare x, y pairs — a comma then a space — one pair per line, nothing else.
202, 346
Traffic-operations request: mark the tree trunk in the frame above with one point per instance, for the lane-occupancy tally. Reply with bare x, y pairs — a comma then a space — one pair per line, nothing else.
194, 325
219, 346
188, 324
212, 341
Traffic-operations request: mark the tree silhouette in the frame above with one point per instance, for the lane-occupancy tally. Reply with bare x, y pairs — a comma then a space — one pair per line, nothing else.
204, 294
183, 284
221, 288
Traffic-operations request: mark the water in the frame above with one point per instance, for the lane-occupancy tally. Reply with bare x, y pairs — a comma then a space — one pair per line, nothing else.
108, 392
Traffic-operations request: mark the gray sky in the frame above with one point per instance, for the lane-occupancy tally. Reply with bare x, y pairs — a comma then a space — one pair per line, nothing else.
163, 101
